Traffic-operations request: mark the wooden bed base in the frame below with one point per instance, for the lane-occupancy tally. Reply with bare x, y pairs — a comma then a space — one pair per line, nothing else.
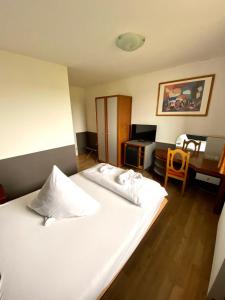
163, 204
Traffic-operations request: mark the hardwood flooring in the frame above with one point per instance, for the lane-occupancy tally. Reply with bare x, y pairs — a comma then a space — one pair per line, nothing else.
174, 259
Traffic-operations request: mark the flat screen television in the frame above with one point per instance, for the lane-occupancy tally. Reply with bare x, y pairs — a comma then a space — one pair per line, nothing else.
145, 133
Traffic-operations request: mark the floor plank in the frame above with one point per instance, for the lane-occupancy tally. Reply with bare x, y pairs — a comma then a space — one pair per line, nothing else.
174, 259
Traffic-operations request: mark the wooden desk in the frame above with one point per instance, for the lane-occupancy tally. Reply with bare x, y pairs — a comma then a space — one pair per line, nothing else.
199, 163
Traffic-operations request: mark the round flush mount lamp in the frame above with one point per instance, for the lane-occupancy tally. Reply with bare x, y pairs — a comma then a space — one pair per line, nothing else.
130, 41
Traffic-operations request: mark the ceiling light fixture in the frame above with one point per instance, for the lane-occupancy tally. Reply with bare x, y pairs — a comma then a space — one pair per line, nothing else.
130, 41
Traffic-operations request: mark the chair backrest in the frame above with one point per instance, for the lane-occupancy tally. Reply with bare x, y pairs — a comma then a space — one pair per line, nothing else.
179, 156
197, 145
221, 164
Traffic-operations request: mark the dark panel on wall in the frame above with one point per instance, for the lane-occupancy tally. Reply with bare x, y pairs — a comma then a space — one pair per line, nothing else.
217, 290
86, 139
26, 173
165, 145
92, 139
81, 141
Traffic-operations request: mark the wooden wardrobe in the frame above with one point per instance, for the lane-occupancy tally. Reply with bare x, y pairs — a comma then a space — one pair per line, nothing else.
113, 116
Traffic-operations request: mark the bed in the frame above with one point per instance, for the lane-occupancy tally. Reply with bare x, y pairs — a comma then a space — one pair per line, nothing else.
75, 258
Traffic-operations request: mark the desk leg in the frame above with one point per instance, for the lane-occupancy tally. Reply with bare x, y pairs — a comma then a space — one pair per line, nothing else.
220, 197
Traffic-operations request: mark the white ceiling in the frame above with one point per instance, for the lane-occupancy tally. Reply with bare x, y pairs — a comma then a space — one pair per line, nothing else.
81, 34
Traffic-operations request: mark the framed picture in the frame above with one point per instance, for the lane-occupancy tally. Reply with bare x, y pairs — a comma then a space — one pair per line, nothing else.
185, 97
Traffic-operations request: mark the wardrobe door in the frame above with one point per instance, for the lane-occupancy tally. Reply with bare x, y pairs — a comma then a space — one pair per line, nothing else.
124, 104
112, 129
101, 120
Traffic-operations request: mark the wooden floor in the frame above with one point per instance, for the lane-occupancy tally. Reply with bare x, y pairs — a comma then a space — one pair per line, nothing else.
174, 259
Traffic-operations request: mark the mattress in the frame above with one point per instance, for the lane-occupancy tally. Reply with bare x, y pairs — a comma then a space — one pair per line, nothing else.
73, 259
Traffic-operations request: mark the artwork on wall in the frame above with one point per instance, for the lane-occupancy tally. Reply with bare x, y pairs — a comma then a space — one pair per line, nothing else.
185, 97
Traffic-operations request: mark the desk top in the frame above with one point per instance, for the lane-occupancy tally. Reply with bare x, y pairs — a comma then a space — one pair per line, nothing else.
198, 162
139, 143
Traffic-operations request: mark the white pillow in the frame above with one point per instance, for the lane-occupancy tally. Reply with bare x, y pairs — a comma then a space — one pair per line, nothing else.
61, 198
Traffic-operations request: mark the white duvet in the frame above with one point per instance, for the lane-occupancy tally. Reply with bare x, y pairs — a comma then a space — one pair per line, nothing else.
77, 257
140, 192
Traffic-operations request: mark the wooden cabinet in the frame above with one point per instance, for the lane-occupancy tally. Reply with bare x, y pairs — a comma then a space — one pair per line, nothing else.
138, 154
113, 116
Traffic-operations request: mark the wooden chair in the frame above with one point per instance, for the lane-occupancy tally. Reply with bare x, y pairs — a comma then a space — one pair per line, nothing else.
171, 171
197, 145
221, 164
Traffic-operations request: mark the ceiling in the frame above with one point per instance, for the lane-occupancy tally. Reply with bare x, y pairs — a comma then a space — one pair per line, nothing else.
81, 34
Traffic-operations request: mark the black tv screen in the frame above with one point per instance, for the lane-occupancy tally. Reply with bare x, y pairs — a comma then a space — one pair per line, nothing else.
143, 132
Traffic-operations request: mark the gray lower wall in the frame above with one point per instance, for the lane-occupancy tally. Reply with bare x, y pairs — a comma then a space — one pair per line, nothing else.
26, 173
92, 139
160, 145
89, 139
81, 141
86, 139
217, 291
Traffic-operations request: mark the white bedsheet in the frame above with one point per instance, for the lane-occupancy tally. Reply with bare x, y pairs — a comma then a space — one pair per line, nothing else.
139, 193
74, 258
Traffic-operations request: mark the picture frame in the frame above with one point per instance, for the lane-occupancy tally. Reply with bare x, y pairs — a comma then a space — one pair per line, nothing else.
185, 97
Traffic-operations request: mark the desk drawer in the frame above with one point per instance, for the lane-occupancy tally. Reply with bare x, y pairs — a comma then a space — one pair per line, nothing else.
208, 178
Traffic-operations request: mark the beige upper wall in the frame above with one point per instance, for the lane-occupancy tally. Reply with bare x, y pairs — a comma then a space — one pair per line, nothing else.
78, 111
78, 108
144, 90
35, 112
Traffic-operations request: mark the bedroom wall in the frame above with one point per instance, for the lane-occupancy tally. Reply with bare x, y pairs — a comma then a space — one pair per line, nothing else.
35, 112
78, 108
144, 90
36, 126
77, 98
217, 278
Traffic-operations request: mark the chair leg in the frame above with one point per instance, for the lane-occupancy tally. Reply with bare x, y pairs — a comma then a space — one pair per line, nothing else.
183, 187
166, 180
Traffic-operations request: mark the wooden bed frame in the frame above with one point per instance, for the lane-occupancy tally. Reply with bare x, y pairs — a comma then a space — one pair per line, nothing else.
162, 206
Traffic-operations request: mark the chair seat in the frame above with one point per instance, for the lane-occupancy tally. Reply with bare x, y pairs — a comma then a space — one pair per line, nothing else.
175, 173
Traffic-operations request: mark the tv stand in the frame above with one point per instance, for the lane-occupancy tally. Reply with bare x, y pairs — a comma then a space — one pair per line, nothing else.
138, 154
